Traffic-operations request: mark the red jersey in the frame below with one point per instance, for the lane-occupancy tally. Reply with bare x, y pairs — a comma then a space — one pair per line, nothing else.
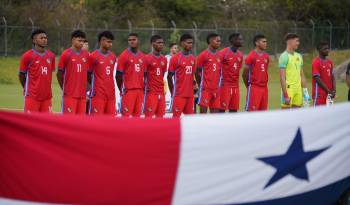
155, 66
258, 63
75, 66
130, 64
231, 66
211, 69
102, 67
183, 66
324, 69
39, 68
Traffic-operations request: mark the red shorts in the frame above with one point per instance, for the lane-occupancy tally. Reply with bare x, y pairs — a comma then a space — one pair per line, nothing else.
132, 102
32, 105
229, 98
209, 99
182, 105
71, 105
320, 100
257, 98
99, 106
155, 105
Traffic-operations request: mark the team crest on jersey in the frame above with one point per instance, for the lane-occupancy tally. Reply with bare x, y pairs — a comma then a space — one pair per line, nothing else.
154, 63
131, 61
210, 60
218, 60
37, 61
298, 59
48, 60
184, 63
101, 62
231, 58
111, 62
239, 59
162, 63
73, 59
140, 61
192, 62
265, 60
84, 60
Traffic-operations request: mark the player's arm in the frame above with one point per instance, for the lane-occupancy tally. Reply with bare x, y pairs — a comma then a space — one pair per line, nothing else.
245, 75
282, 64
283, 83
303, 79
59, 76
22, 78
321, 83
198, 75
170, 82
119, 80
334, 85
348, 76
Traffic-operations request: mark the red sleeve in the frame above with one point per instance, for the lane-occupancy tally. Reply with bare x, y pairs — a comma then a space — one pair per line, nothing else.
316, 68
201, 60
91, 62
222, 53
53, 63
63, 61
173, 63
122, 61
249, 61
24, 63
165, 60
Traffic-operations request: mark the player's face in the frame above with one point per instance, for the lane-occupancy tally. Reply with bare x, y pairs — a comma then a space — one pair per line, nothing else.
262, 44
187, 44
324, 51
78, 42
158, 45
238, 42
86, 46
133, 42
174, 49
215, 42
106, 43
40, 40
294, 43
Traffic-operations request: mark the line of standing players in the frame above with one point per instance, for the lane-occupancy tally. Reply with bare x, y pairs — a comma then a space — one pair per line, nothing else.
140, 76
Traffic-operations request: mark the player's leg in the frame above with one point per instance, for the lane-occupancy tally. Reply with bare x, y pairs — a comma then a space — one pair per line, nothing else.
320, 100
150, 105
264, 98
81, 106
31, 105
160, 109
224, 98
139, 100
214, 102
250, 100
234, 99
46, 106
283, 101
128, 103
188, 108
178, 106
297, 100
203, 101
69, 105
97, 106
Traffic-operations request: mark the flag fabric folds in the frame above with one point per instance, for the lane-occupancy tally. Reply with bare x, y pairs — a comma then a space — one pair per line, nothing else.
263, 158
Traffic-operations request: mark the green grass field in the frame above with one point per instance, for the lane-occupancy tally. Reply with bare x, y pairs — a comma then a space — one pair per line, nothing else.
11, 91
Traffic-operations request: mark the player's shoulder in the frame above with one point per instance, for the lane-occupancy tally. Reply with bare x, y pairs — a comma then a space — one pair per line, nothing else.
50, 53
284, 55
204, 53
28, 53
315, 60
124, 53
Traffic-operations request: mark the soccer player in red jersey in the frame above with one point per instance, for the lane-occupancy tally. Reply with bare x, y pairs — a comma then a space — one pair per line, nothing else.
323, 81
255, 75
232, 60
35, 74
208, 73
155, 66
130, 78
182, 67
72, 75
101, 67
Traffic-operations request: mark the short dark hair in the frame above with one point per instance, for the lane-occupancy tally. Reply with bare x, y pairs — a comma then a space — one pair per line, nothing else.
78, 34
322, 44
36, 32
289, 36
233, 36
133, 34
154, 38
172, 44
211, 36
185, 37
258, 37
86, 41
107, 34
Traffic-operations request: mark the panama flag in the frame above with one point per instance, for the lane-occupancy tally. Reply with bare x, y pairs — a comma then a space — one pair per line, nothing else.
299, 157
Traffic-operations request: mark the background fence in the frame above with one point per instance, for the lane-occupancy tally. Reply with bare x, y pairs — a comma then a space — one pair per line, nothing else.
14, 39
